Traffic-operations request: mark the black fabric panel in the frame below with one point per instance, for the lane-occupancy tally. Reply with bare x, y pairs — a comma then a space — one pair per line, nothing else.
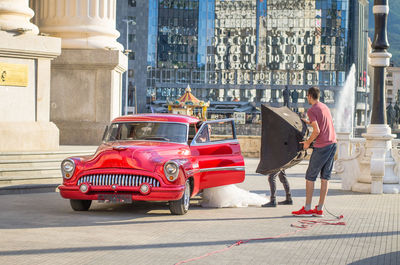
281, 134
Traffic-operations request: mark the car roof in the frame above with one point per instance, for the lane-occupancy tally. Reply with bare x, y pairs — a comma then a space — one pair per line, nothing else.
157, 117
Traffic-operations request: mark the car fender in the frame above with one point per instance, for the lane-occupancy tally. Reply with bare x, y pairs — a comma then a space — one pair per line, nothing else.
190, 169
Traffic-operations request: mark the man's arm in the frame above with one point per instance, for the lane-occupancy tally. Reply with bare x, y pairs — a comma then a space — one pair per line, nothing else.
313, 135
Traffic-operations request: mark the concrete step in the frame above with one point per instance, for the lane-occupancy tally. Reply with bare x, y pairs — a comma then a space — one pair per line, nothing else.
18, 168
23, 164
22, 156
37, 180
391, 188
27, 172
361, 187
35, 175
28, 188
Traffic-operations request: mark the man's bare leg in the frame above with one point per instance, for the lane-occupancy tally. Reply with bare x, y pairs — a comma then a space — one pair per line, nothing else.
323, 193
309, 193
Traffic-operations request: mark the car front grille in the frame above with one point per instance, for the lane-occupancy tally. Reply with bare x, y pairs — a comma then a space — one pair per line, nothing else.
119, 179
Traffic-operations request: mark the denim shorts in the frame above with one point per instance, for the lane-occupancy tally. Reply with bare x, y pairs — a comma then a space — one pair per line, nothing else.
321, 161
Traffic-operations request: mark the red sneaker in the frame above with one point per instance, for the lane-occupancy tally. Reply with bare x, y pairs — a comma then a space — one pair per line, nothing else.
318, 213
303, 212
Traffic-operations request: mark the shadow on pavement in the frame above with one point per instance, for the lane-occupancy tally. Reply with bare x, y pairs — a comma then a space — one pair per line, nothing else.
218, 243
302, 192
102, 214
388, 258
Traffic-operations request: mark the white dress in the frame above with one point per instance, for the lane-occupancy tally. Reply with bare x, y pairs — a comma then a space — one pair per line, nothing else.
231, 196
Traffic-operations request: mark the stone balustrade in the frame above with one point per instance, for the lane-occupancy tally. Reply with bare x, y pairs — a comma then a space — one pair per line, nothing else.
249, 145
356, 166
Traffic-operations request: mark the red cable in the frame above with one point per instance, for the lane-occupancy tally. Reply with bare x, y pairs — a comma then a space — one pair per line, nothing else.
304, 225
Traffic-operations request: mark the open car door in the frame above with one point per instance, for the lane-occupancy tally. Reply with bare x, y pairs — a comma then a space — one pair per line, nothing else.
219, 157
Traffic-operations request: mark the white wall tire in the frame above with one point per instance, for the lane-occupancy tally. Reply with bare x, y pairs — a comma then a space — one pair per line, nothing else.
181, 206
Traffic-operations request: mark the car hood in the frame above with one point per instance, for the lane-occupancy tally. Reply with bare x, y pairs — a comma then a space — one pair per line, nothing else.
141, 155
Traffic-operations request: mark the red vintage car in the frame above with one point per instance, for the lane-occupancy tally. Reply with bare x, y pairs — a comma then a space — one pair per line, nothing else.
154, 157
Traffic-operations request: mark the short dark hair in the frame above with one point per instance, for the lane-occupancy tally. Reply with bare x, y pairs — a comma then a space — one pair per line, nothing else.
314, 92
198, 124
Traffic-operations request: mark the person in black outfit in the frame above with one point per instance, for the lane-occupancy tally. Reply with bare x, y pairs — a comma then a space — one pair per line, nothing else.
295, 97
397, 111
272, 185
286, 95
390, 114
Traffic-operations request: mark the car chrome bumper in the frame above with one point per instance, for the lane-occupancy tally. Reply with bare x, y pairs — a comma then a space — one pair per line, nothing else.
156, 193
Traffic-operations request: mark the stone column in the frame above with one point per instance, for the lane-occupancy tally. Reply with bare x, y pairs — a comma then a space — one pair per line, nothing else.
15, 16
88, 24
87, 77
25, 84
86, 94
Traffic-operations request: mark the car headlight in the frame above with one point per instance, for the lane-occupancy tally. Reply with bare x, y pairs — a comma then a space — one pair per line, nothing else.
171, 170
67, 168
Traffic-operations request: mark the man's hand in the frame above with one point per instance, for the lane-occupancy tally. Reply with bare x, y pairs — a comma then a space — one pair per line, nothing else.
313, 136
306, 145
306, 121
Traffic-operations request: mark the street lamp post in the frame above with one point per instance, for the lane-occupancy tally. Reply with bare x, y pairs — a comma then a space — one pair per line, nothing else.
127, 51
365, 78
378, 135
366, 108
377, 163
380, 59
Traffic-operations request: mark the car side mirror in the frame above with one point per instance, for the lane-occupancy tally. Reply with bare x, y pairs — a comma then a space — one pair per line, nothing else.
105, 133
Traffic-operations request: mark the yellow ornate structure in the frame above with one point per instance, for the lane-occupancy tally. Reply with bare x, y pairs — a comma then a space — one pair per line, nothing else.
187, 105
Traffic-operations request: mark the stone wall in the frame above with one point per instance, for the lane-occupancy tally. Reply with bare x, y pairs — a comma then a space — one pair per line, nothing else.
249, 145
241, 129
249, 136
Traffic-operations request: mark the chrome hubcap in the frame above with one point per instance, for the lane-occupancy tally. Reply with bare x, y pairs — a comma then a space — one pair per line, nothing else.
186, 196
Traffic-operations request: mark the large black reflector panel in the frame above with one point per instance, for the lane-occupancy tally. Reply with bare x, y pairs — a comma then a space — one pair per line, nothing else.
281, 134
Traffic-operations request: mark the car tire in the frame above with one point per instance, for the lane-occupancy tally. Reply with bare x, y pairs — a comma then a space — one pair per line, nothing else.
80, 205
181, 206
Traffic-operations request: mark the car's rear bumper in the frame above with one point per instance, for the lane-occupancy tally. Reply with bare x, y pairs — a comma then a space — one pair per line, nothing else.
172, 193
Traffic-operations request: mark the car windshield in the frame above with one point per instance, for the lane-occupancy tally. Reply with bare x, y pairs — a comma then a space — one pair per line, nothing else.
152, 131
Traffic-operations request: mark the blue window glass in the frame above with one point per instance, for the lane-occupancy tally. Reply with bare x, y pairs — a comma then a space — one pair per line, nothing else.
152, 40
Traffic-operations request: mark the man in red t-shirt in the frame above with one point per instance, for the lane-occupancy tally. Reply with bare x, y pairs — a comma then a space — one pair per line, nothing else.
321, 161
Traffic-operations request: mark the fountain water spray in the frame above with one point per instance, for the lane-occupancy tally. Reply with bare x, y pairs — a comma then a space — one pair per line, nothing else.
344, 109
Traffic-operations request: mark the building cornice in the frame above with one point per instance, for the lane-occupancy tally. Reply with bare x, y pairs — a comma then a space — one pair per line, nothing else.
39, 46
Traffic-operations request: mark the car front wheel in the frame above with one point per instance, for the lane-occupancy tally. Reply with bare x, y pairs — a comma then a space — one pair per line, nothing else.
80, 205
181, 206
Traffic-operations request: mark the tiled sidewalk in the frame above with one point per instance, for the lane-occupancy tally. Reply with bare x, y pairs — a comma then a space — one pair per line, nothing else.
42, 229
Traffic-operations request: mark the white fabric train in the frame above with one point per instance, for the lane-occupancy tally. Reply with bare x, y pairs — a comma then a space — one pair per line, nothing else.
231, 196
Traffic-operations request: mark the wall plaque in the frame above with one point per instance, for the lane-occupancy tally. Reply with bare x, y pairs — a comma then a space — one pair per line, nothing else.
13, 74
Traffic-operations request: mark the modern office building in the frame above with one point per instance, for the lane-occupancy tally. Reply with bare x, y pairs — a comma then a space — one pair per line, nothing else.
359, 49
242, 50
392, 85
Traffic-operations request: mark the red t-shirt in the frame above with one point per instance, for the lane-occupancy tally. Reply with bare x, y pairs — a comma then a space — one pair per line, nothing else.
320, 112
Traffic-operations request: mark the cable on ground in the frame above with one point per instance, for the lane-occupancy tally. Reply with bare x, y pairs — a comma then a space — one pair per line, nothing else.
305, 224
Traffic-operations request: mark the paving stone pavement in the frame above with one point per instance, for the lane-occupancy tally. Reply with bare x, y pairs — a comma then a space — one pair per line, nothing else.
41, 228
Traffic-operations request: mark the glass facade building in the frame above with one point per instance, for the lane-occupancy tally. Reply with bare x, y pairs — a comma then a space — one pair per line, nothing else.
247, 50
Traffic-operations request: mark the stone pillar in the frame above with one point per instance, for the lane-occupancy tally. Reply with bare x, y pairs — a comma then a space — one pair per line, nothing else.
87, 77
15, 16
343, 153
87, 94
88, 24
25, 84
343, 139
378, 144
